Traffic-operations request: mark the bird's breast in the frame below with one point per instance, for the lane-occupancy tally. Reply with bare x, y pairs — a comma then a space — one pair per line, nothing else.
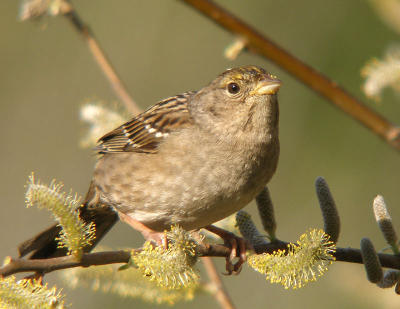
192, 182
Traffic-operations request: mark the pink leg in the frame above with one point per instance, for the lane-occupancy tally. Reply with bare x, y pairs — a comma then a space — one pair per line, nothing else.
238, 248
159, 238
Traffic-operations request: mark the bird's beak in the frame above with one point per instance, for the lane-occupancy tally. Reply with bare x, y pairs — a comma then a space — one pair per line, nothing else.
267, 86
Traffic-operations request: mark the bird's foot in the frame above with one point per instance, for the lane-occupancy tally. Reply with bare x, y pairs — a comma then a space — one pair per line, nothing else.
156, 238
238, 249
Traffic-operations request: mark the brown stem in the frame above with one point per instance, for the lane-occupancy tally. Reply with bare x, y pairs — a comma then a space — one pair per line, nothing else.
52, 264
260, 44
14, 266
221, 294
104, 63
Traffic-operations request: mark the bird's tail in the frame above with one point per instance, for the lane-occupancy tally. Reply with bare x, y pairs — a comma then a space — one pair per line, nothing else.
44, 245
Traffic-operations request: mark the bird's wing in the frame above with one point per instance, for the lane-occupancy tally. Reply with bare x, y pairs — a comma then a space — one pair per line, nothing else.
144, 132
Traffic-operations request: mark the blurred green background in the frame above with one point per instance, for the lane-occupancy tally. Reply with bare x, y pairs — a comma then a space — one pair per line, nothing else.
161, 48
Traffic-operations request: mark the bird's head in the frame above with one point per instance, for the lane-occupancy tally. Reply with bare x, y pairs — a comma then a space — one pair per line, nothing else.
238, 100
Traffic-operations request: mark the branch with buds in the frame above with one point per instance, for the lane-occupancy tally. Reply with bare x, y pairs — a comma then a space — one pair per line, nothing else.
256, 241
291, 264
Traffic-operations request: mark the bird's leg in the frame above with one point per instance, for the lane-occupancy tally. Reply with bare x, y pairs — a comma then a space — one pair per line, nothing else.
159, 238
238, 248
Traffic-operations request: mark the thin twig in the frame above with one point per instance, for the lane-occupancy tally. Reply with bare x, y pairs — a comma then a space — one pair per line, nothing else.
221, 294
14, 266
262, 45
104, 63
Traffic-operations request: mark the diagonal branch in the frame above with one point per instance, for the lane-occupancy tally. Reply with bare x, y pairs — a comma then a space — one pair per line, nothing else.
221, 294
262, 45
43, 266
102, 60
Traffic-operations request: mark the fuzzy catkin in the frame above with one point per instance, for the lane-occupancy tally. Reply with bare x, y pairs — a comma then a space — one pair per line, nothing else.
248, 229
328, 209
266, 211
128, 283
384, 221
300, 263
371, 261
27, 294
75, 233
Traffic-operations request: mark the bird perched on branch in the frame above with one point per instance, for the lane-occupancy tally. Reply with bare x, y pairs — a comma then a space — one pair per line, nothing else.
190, 160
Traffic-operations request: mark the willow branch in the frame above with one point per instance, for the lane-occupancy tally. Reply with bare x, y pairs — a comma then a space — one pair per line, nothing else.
48, 265
44, 266
327, 88
102, 60
221, 294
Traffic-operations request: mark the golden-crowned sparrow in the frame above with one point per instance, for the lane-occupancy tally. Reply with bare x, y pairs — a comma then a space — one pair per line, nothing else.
190, 160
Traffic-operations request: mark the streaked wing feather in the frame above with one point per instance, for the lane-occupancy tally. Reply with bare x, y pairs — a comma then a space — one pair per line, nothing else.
144, 132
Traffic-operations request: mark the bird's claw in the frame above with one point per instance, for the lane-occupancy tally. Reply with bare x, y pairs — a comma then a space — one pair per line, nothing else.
238, 250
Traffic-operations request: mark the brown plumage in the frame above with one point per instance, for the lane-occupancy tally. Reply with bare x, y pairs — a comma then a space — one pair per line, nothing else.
191, 160
144, 132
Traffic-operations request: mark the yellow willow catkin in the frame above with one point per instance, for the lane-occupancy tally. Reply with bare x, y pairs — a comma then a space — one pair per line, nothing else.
28, 294
75, 233
300, 263
173, 267
126, 283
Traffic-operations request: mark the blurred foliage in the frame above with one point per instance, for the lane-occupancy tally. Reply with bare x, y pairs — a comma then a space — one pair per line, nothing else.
101, 119
380, 74
32, 9
126, 283
28, 294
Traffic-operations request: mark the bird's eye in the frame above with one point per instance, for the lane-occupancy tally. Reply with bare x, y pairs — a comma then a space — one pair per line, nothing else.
233, 88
